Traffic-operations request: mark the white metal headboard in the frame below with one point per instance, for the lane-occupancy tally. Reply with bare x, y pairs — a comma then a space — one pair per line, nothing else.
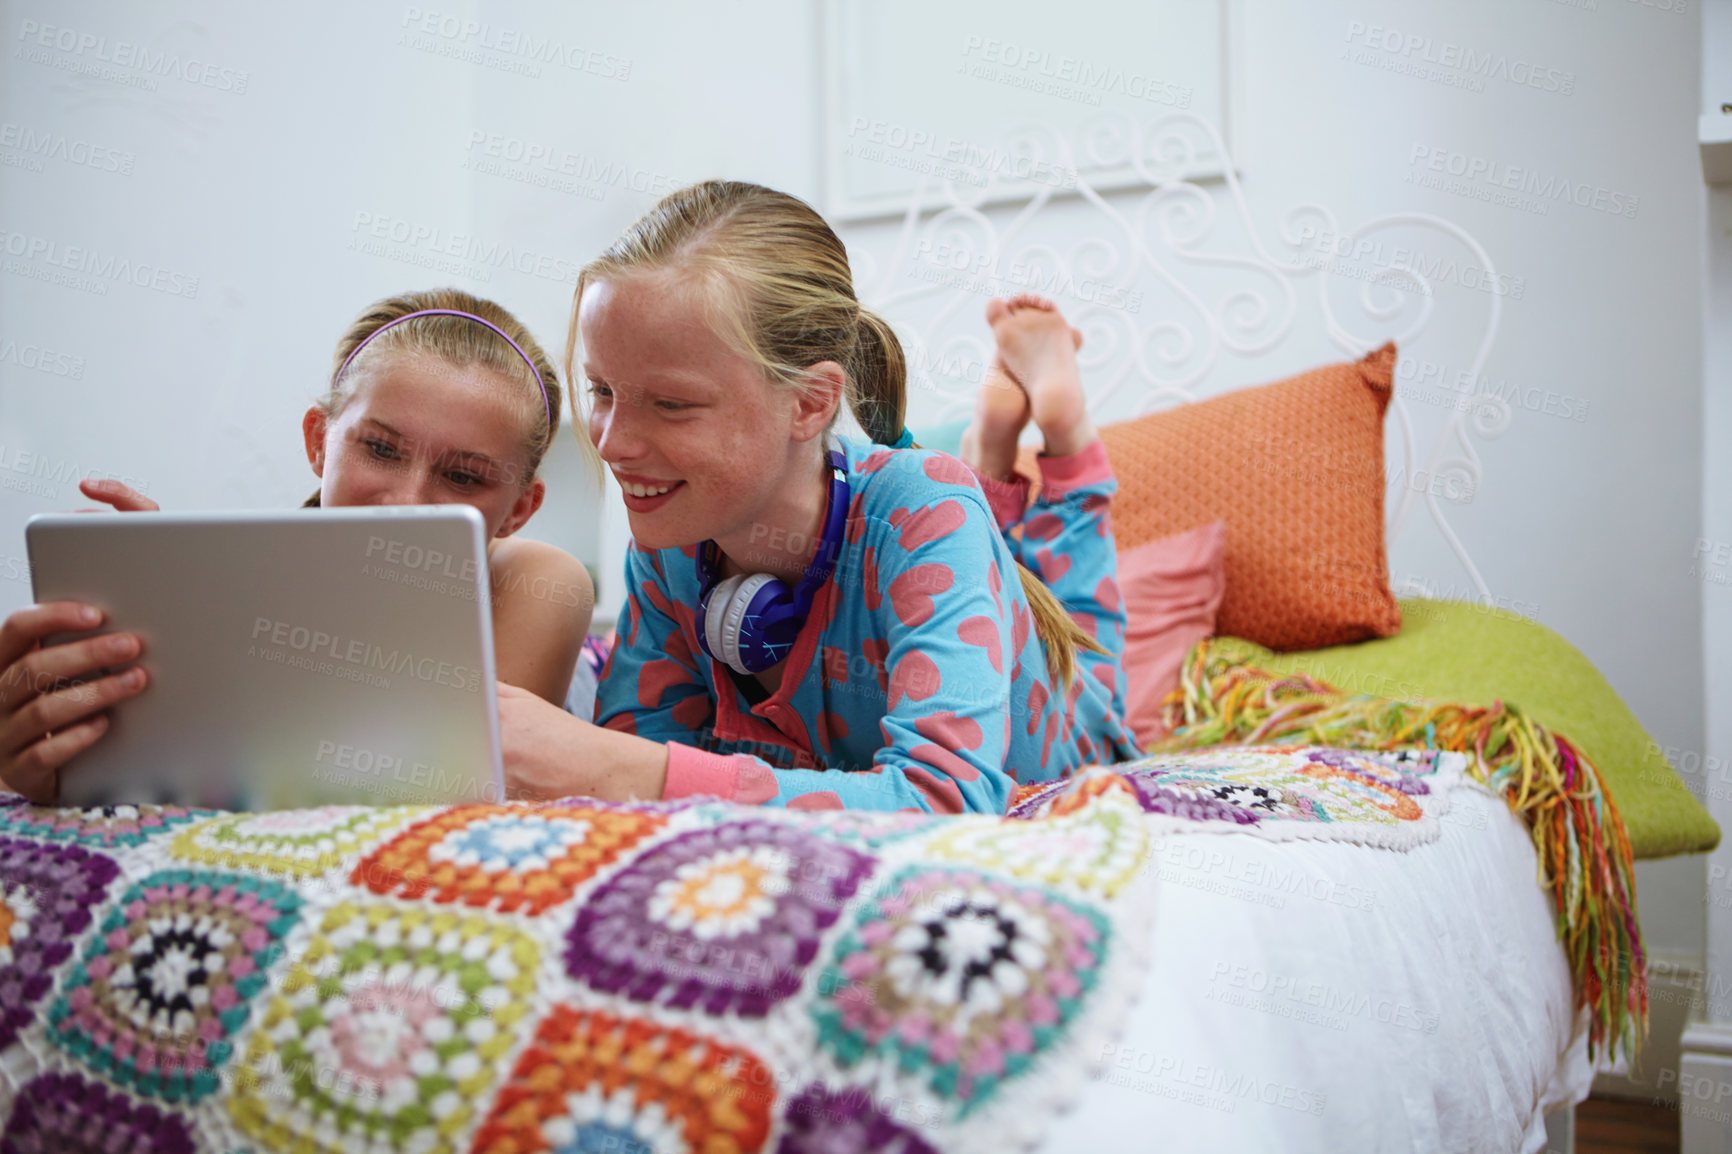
1223, 294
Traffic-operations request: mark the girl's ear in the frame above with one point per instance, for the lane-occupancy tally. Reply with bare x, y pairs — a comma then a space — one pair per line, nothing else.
313, 427
524, 508
815, 406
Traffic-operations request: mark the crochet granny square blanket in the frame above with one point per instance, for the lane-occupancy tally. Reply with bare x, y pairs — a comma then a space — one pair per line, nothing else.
583, 976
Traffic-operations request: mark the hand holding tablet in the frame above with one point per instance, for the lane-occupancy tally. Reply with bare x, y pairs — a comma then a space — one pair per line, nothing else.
54, 698
296, 658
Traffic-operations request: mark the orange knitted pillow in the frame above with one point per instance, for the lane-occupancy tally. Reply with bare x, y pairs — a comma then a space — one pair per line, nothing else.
1295, 469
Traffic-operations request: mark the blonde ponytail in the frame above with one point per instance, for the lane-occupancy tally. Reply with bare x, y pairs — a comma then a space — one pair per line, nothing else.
879, 399
1056, 628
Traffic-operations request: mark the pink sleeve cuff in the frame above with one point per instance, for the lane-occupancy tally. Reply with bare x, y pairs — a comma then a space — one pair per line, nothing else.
693, 771
1007, 499
1086, 466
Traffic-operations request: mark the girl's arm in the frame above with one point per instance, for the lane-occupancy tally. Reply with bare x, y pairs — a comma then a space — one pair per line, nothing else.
650, 693
542, 601
549, 754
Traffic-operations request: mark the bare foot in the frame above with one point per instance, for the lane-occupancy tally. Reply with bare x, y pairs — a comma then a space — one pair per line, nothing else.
1000, 412
1038, 346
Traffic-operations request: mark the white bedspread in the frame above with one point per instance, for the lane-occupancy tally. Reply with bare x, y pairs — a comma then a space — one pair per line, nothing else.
1331, 997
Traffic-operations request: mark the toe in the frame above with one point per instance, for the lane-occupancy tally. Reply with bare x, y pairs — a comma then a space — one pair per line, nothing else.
996, 310
1030, 301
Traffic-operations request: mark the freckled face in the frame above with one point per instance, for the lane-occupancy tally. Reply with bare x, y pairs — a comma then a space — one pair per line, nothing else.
420, 431
696, 435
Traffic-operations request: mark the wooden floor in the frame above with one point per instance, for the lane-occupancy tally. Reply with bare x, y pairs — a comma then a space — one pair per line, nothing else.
1622, 1126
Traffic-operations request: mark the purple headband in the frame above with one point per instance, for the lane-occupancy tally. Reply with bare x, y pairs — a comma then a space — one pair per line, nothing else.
545, 399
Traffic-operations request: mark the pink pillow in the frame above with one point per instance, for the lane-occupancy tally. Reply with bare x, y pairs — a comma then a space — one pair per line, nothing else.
1172, 589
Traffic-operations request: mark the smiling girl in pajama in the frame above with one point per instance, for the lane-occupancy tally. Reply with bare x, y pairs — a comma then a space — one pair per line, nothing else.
944, 646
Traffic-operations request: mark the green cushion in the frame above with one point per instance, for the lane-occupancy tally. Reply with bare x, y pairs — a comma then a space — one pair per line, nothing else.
1457, 651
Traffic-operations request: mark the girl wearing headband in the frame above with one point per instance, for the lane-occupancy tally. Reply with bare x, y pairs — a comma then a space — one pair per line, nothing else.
436, 397
908, 660
440, 398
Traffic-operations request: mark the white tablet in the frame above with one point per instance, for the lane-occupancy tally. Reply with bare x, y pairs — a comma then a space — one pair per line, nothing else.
297, 658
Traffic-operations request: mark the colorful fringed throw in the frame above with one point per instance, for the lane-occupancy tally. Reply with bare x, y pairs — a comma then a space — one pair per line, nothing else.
1584, 852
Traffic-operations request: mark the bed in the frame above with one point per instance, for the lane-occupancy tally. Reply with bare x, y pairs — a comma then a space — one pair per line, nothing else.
1324, 997
1192, 293
1268, 947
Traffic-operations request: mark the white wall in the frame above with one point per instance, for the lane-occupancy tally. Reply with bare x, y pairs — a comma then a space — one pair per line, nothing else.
353, 115
279, 189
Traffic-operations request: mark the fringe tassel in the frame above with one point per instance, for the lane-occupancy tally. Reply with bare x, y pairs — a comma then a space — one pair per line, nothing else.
1584, 852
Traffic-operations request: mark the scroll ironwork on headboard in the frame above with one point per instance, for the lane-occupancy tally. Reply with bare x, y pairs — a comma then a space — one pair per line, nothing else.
1153, 336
